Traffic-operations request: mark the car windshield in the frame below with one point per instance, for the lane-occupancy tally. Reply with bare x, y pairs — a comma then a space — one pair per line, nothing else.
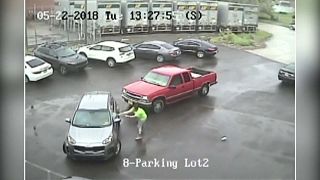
291, 67
125, 49
92, 118
65, 52
35, 62
167, 46
157, 79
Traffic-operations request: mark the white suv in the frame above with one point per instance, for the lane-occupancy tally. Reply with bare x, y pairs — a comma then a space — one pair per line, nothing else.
112, 52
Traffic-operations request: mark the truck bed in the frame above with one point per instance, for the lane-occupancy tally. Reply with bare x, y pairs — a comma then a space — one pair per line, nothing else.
201, 77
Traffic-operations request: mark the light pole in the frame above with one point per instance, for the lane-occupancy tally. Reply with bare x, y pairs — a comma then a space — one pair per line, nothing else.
85, 21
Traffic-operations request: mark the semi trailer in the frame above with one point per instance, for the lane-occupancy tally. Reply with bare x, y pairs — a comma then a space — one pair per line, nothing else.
135, 14
250, 17
182, 16
110, 16
230, 16
209, 19
163, 22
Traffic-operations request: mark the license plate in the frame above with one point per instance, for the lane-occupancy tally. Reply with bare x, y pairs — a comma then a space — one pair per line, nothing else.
286, 74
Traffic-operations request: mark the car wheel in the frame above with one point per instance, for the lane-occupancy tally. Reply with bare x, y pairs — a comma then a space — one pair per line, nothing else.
26, 79
64, 148
118, 148
204, 90
158, 105
111, 62
160, 58
221, 30
63, 70
83, 54
200, 54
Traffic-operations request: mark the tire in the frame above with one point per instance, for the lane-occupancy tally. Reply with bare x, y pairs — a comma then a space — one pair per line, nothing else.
160, 58
204, 90
63, 70
111, 62
221, 30
26, 79
158, 105
118, 148
200, 54
64, 149
83, 54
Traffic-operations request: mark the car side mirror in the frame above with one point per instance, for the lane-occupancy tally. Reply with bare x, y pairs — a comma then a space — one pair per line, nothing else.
68, 120
117, 120
141, 78
172, 87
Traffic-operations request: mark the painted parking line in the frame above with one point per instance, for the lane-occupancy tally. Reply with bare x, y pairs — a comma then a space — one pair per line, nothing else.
45, 169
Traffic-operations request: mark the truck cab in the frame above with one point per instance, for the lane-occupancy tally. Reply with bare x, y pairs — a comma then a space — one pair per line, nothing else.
168, 84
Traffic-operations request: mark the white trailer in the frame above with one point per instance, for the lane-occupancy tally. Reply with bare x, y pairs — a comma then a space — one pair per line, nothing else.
79, 6
230, 16
112, 24
250, 17
209, 19
163, 22
135, 16
181, 22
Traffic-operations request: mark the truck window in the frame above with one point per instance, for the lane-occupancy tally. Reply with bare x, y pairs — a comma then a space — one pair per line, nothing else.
186, 77
176, 80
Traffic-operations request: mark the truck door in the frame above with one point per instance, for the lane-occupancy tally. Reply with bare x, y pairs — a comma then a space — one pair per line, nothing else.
187, 84
176, 88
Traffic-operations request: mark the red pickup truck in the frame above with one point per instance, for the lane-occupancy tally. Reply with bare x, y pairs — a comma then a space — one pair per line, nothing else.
168, 84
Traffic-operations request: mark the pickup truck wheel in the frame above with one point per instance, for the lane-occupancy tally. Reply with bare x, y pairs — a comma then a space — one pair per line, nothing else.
200, 54
158, 105
204, 90
160, 58
111, 62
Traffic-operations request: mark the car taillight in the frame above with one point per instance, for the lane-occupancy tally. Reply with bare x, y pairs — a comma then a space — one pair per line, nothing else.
212, 49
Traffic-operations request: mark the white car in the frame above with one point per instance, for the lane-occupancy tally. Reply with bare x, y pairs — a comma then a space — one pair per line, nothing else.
283, 7
112, 52
36, 69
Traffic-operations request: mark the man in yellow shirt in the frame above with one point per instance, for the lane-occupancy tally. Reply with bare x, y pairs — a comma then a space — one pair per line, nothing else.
138, 113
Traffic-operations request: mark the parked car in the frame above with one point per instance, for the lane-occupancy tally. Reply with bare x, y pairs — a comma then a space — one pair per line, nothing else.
200, 47
158, 50
168, 84
287, 73
283, 7
61, 57
94, 127
36, 69
112, 52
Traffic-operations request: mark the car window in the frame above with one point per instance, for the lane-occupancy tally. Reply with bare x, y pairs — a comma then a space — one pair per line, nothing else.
92, 118
43, 50
193, 44
151, 46
176, 80
183, 43
125, 49
156, 78
97, 47
52, 53
35, 62
167, 46
65, 52
107, 48
143, 46
186, 77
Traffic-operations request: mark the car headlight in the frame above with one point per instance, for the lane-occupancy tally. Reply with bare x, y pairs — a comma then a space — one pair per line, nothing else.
124, 91
145, 98
108, 140
71, 140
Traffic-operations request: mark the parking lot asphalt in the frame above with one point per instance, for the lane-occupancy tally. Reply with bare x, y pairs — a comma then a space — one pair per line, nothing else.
249, 106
